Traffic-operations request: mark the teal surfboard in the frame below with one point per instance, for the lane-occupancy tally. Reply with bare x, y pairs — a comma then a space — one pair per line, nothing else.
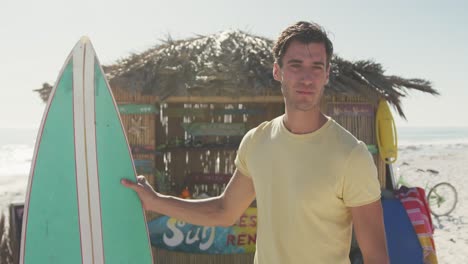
76, 210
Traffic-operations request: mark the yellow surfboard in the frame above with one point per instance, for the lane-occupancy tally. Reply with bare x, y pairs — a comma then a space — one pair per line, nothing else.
386, 133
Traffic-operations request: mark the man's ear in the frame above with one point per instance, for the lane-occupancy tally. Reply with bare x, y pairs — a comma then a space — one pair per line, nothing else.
277, 75
328, 73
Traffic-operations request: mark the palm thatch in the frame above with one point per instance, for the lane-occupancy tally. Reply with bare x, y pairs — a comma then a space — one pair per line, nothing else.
230, 63
367, 78
234, 63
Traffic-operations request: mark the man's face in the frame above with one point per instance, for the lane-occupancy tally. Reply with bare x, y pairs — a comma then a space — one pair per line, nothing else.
303, 76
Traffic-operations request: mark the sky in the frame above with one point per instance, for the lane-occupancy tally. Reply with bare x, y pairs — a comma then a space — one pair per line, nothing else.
413, 39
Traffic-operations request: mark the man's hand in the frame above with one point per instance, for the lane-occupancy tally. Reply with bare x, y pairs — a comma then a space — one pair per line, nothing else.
222, 210
144, 190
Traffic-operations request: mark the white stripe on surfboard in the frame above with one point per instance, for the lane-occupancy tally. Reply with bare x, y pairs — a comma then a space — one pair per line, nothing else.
33, 162
91, 154
80, 153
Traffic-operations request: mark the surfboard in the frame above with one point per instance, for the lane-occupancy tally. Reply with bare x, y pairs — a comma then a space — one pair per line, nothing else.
386, 133
76, 210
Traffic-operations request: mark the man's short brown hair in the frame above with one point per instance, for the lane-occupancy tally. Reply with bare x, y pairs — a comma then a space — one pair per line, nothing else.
304, 32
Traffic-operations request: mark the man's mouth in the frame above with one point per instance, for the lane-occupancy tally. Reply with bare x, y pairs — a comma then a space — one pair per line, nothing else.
305, 92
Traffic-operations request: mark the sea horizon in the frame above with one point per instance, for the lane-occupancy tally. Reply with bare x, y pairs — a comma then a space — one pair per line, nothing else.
17, 144
437, 135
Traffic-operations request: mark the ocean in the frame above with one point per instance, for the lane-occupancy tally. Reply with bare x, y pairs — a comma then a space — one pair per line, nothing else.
432, 135
17, 144
16, 150
17, 147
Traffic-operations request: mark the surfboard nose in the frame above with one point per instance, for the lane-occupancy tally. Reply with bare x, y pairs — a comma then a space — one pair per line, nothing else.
83, 44
85, 40
84, 47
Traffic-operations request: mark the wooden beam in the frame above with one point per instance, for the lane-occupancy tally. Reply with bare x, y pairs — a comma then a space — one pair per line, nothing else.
222, 99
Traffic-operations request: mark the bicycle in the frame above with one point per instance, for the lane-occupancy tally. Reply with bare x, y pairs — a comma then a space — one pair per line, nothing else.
442, 198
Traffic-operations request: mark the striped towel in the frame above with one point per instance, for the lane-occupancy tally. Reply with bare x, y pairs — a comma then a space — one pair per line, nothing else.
415, 203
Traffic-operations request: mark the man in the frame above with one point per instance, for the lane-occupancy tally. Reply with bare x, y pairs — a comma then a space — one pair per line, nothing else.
311, 178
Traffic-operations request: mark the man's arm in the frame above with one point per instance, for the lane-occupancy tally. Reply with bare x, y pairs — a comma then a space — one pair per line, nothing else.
370, 232
222, 210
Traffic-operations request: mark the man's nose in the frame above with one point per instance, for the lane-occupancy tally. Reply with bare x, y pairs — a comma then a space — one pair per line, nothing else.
307, 77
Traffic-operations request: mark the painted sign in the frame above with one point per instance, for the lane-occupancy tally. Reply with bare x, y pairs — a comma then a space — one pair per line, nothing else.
208, 178
172, 234
144, 166
350, 109
127, 109
214, 129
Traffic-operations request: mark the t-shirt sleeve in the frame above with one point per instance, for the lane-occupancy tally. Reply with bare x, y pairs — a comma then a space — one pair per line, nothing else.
242, 153
360, 181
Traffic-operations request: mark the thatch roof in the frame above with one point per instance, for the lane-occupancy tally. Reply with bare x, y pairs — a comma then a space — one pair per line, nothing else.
230, 63
235, 63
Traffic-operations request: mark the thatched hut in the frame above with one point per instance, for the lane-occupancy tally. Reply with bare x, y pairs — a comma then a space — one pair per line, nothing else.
186, 105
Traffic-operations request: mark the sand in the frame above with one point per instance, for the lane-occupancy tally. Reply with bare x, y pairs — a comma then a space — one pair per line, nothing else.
426, 165
449, 161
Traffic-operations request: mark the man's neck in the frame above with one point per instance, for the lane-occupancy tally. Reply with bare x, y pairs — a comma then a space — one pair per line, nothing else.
299, 122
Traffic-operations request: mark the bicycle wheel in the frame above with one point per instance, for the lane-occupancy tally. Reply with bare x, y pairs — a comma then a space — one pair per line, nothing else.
442, 199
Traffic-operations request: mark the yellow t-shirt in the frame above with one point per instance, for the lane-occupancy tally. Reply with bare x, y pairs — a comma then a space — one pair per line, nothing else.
304, 187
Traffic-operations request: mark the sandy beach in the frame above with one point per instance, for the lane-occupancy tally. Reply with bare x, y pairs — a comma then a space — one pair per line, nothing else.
449, 164
415, 163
